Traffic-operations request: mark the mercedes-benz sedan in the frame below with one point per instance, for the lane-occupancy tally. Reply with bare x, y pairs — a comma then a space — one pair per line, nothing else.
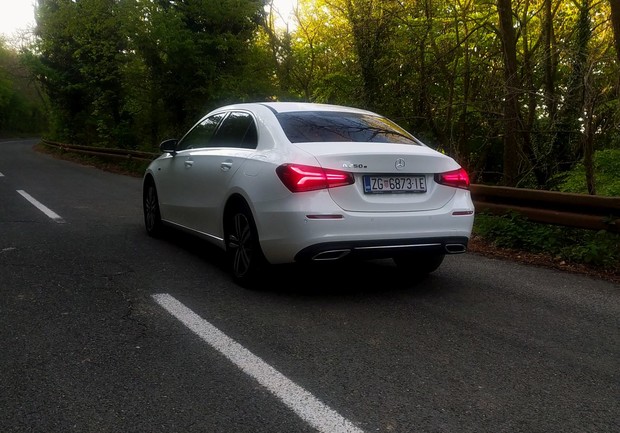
277, 182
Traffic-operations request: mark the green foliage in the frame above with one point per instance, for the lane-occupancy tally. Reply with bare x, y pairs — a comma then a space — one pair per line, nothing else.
130, 73
597, 248
21, 108
607, 175
199, 55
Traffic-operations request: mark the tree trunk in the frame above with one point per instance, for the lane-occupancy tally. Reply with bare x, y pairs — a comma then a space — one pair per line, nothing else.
368, 36
549, 60
527, 122
566, 147
550, 92
372, 25
615, 24
511, 100
588, 146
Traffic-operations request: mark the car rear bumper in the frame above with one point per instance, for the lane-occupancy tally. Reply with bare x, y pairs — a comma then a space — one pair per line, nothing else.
294, 237
375, 249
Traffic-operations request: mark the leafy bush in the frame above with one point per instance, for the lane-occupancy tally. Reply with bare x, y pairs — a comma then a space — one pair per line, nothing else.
596, 248
606, 168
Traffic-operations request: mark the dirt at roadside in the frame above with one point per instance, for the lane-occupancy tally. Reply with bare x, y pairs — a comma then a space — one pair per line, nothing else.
478, 245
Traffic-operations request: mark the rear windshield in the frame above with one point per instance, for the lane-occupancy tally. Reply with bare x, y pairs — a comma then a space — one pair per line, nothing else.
321, 126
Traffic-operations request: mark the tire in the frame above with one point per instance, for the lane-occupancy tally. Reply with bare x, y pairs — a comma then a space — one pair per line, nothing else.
419, 264
245, 257
150, 206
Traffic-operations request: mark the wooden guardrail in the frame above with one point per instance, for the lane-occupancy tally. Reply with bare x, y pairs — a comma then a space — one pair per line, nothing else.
571, 210
550, 207
103, 151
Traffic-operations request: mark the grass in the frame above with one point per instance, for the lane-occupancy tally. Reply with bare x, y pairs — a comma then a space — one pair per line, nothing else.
598, 249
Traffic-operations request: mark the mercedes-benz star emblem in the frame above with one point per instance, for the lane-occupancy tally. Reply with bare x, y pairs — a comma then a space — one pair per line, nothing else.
400, 164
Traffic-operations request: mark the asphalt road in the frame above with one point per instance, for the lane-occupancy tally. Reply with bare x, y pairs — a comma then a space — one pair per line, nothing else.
103, 329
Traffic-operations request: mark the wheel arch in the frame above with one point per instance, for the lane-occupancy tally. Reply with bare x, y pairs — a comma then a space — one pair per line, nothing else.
148, 180
235, 201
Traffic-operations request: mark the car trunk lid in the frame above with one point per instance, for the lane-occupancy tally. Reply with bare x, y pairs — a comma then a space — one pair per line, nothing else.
387, 163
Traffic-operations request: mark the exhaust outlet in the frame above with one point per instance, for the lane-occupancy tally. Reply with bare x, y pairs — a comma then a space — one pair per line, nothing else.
455, 248
331, 255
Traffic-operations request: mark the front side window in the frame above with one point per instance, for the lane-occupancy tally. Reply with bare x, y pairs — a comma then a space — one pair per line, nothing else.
201, 134
323, 126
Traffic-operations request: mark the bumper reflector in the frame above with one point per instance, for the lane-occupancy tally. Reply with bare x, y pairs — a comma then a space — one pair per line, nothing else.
324, 217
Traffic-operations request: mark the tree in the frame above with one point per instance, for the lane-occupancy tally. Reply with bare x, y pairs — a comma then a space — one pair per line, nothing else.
106, 63
516, 93
615, 20
511, 105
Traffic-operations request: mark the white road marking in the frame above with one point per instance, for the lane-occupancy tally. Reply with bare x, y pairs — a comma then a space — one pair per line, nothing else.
1, 175
50, 213
304, 404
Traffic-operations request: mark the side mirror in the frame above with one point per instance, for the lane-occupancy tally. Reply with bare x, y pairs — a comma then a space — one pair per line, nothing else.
169, 146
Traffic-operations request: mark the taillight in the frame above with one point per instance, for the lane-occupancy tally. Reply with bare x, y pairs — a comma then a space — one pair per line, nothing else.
457, 178
300, 178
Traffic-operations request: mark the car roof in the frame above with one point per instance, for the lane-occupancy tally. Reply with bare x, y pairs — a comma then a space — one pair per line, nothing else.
287, 107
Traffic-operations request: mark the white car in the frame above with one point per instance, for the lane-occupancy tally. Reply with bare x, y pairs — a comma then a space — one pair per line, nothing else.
281, 182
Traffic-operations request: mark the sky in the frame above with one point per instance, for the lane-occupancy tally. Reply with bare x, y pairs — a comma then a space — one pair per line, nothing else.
286, 9
16, 15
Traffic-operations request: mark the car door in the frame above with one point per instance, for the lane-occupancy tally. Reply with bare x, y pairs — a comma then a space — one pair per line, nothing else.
176, 173
212, 169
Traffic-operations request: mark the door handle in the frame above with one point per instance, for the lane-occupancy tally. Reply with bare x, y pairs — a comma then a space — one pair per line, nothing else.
226, 165
188, 163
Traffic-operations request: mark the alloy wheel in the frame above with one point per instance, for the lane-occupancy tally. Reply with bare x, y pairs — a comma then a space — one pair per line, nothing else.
152, 219
241, 243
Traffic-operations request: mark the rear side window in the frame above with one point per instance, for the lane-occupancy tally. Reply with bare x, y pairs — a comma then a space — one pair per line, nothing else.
322, 126
237, 130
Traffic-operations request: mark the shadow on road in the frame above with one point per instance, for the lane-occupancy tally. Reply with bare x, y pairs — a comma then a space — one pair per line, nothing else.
340, 278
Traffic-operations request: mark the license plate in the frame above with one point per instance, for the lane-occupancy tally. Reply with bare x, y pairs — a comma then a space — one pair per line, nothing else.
394, 184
